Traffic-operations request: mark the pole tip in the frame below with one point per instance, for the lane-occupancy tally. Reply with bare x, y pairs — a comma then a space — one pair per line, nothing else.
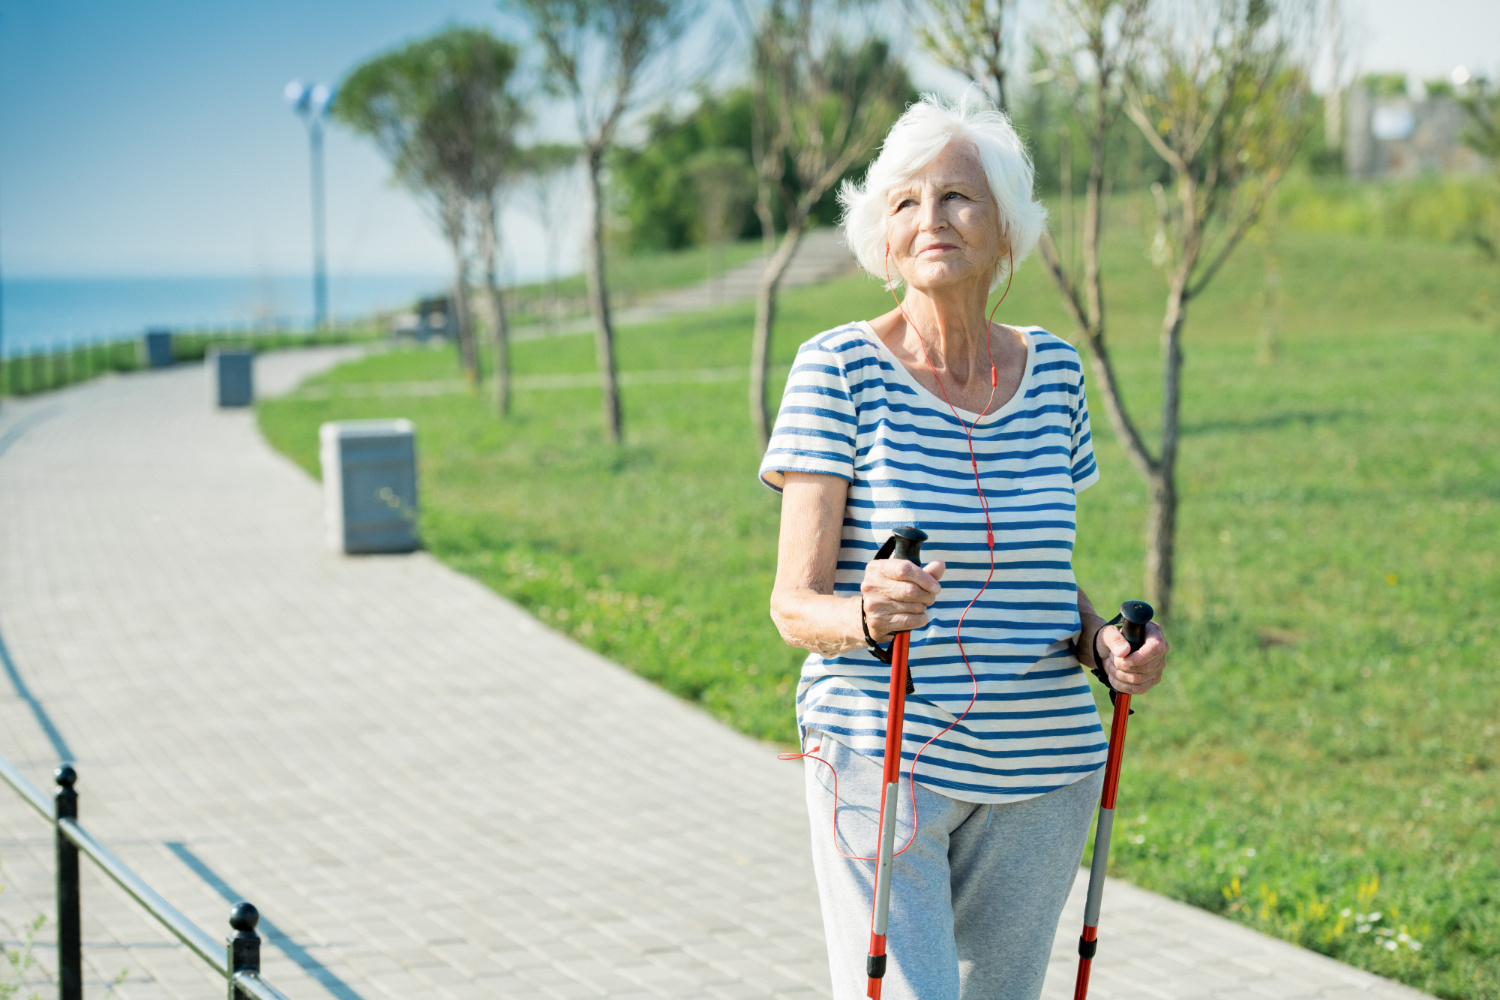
66, 776
1137, 612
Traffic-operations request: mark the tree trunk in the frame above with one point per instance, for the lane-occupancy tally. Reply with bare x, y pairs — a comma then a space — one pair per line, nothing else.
467, 356
1161, 536
765, 320
1161, 529
489, 235
604, 333
1270, 306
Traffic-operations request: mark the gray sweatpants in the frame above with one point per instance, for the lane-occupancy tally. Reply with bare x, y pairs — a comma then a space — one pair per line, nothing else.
976, 898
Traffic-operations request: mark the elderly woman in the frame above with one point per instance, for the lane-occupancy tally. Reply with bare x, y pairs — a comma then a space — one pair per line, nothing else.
978, 433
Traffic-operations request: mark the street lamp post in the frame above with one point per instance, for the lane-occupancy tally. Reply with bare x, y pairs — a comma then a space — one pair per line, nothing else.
311, 102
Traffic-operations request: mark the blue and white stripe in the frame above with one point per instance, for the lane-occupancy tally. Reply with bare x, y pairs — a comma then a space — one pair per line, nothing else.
852, 410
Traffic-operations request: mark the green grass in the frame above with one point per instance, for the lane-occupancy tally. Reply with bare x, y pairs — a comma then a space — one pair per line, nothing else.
1447, 209
1326, 738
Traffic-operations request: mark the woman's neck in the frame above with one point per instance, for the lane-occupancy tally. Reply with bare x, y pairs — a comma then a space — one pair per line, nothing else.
949, 325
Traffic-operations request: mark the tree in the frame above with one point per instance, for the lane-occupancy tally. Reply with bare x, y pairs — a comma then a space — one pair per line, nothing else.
1481, 100
439, 110
648, 177
1222, 98
1092, 43
725, 185
494, 114
598, 54
968, 36
539, 168
820, 104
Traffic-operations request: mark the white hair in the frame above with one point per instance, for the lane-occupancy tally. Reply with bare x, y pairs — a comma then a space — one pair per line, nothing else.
921, 133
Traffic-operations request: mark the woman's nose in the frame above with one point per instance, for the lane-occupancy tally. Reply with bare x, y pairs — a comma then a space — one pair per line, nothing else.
931, 214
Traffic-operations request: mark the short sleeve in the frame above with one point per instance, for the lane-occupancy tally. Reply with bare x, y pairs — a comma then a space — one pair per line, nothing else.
816, 426
1085, 471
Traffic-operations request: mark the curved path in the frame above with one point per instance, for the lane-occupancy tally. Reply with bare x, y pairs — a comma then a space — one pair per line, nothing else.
426, 792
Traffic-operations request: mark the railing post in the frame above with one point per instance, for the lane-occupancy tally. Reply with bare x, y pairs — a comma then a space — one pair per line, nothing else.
244, 946
69, 918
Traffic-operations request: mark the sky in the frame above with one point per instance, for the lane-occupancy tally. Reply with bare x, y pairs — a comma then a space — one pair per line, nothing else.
151, 138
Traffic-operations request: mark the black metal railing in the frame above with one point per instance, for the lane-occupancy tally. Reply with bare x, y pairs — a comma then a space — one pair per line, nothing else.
237, 958
42, 368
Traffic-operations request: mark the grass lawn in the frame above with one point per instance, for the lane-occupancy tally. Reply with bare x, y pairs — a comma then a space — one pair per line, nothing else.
1321, 763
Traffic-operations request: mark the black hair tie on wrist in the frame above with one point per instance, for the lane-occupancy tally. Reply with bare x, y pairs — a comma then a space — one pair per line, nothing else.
1098, 668
881, 653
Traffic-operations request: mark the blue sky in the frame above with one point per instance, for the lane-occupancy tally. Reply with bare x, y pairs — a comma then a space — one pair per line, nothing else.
151, 137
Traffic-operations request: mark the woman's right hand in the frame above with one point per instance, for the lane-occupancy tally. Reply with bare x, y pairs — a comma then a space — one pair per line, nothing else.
896, 594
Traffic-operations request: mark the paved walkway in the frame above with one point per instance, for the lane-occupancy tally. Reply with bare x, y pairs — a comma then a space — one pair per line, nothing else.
372, 750
820, 256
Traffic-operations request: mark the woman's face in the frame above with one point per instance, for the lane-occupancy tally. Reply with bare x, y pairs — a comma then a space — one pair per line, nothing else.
943, 225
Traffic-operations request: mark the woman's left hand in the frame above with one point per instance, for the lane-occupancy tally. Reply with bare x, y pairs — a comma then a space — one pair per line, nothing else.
1138, 672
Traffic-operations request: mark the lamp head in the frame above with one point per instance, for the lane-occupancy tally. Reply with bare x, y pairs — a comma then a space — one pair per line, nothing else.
320, 98
298, 94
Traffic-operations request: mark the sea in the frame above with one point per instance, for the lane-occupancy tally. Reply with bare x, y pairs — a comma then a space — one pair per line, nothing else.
39, 313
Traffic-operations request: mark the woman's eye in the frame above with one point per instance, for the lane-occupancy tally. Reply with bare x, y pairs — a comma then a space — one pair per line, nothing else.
952, 194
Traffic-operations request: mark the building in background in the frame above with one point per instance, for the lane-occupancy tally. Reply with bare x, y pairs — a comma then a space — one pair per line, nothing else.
1399, 136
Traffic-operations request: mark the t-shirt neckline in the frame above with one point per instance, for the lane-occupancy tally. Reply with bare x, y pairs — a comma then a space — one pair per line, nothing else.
968, 416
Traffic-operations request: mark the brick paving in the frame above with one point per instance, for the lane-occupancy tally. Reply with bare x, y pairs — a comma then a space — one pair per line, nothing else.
426, 792
820, 256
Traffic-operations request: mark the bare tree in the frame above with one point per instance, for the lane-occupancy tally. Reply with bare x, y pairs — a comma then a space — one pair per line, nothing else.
1481, 99
1225, 106
495, 113
725, 184
820, 105
540, 169
599, 54
1222, 96
433, 106
1264, 235
968, 37
486, 208
1092, 43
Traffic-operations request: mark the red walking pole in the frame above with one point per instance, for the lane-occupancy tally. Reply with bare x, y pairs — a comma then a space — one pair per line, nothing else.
908, 546
1135, 615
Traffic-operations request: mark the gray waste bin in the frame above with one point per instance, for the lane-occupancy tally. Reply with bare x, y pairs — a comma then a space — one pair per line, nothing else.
231, 377
158, 348
370, 484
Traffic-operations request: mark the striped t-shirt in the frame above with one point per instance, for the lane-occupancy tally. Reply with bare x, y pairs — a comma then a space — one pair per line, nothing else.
852, 410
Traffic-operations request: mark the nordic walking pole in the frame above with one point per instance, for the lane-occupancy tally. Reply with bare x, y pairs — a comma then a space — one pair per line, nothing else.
1133, 618
907, 544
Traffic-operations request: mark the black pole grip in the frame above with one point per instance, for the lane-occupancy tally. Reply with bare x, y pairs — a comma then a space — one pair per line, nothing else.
1135, 615
908, 544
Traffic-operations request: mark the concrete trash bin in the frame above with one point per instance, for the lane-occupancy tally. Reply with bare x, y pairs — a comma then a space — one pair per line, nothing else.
159, 348
231, 377
370, 484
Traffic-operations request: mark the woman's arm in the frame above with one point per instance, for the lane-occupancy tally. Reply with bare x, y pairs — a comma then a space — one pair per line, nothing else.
895, 593
1089, 631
